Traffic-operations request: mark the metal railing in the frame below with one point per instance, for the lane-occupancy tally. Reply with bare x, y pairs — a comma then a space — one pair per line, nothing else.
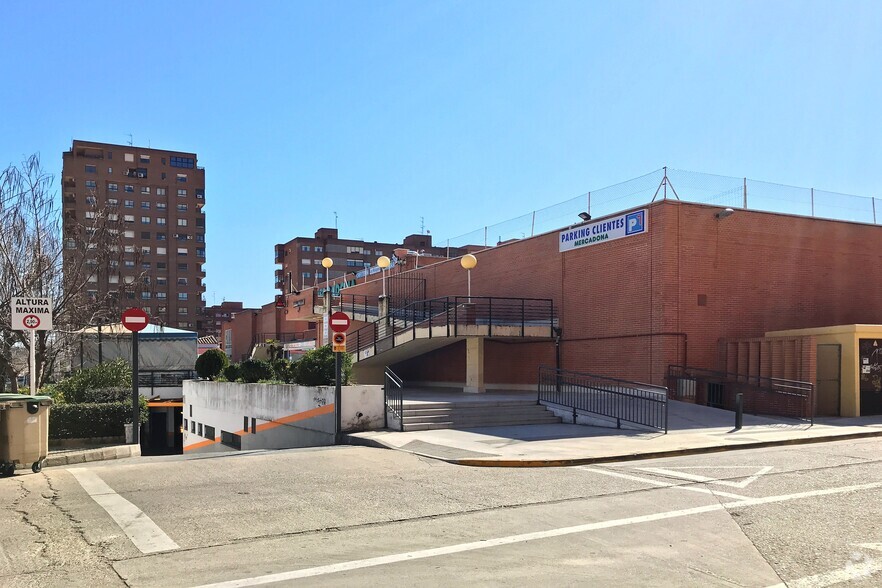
624, 401
283, 337
453, 315
393, 398
164, 378
359, 304
762, 395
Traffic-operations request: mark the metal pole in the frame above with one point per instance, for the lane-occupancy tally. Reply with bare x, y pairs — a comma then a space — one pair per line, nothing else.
813, 201
469, 274
739, 410
33, 362
136, 416
874, 210
338, 394
100, 353
589, 203
384, 282
745, 194
533, 225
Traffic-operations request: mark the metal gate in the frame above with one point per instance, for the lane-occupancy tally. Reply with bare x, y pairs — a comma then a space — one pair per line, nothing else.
405, 290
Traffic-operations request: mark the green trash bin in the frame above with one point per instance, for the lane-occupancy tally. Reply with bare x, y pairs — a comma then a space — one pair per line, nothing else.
24, 431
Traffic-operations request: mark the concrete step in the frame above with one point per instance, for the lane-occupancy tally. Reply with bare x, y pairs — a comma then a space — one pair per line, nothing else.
476, 411
478, 424
468, 405
550, 418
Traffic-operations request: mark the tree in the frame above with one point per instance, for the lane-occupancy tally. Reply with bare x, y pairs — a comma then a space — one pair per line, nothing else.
316, 367
37, 259
211, 363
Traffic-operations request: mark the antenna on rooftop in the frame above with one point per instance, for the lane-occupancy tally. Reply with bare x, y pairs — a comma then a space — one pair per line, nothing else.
422, 225
130, 139
335, 220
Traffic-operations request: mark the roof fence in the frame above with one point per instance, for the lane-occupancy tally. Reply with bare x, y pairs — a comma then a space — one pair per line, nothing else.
689, 186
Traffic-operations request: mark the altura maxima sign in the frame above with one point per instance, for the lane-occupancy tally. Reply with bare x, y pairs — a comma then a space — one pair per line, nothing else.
610, 229
31, 313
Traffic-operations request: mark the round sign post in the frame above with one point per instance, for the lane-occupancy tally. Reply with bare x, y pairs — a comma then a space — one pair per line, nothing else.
135, 319
340, 322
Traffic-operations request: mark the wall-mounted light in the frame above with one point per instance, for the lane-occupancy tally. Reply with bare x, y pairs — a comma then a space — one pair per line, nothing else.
584, 216
724, 213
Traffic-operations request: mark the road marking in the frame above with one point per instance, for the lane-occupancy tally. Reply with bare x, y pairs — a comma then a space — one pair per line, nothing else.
661, 484
696, 478
142, 531
852, 571
476, 545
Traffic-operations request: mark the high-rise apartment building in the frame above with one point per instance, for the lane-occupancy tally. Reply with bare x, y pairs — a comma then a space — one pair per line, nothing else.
151, 203
217, 315
301, 257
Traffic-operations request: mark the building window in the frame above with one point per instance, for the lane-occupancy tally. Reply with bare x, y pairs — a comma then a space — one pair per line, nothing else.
182, 192
200, 238
91, 200
113, 217
200, 252
199, 427
182, 162
145, 250
91, 169
129, 203
90, 214
161, 309
306, 261
145, 205
160, 191
160, 295
182, 295
129, 218
200, 222
160, 236
182, 251
353, 249
161, 206
353, 263
130, 157
91, 184
128, 188
160, 220
182, 267
145, 220
319, 249
144, 159
129, 248
145, 189
160, 251
129, 234
182, 208
160, 265
145, 295
182, 310
182, 222
112, 202
182, 281
209, 432
145, 234
304, 248
161, 281
128, 263
200, 193
145, 265
113, 279
182, 178
319, 275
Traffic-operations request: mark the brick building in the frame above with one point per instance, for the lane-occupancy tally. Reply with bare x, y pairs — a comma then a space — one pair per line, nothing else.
155, 199
301, 257
254, 326
669, 294
216, 315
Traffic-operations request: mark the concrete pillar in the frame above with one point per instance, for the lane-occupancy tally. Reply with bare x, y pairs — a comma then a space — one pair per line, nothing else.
474, 365
383, 314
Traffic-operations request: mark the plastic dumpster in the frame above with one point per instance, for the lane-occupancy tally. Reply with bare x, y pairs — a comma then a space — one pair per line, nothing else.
24, 431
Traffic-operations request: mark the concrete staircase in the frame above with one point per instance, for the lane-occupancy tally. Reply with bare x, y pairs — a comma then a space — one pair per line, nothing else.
422, 416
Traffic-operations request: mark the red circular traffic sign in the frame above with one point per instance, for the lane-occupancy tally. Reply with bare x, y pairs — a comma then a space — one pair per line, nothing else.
339, 338
340, 322
31, 321
134, 319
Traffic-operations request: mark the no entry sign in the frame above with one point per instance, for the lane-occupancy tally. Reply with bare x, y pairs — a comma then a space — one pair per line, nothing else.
134, 319
340, 322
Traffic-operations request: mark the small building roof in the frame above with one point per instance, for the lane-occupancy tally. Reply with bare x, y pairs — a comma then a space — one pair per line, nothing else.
151, 330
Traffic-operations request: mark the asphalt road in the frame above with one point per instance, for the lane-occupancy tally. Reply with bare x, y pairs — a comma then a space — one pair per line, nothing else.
798, 516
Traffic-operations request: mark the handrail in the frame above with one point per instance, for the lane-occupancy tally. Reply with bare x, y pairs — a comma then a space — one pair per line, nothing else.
624, 401
393, 398
452, 314
761, 394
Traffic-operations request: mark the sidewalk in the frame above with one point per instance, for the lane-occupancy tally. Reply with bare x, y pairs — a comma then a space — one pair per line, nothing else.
61, 457
691, 429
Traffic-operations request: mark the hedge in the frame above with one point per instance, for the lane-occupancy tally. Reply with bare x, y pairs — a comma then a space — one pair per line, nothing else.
79, 421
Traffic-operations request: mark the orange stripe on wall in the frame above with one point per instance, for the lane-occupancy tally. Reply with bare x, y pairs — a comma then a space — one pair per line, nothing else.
292, 418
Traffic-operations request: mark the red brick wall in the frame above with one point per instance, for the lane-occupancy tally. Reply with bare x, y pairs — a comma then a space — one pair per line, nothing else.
630, 307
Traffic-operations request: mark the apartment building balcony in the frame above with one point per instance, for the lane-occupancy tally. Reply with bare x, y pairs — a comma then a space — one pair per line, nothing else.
69, 183
280, 253
90, 152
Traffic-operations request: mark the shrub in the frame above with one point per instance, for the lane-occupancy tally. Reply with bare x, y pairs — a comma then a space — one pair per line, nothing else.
316, 368
211, 363
254, 370
111, 374
107, 395
85, 420
232, 372
285, 371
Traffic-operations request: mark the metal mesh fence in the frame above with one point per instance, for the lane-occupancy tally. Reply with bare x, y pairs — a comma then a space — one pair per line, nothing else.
702, 188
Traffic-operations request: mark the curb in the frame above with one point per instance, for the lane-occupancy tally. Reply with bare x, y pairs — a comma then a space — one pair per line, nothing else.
552, 463
94, 454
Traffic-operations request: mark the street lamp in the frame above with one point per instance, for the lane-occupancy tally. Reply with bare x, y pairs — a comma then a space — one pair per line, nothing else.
327, 263
383, 262
468, 261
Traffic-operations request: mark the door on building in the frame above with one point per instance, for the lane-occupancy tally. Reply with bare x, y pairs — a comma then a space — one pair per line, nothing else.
829, 379
871, 376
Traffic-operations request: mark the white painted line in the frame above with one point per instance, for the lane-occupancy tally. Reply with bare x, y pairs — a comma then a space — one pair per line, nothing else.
136, 319
476, 545
137, 526
850, 573
339, 322
661, 484
697, 478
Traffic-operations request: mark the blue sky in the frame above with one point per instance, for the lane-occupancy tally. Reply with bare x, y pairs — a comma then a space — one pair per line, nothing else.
464, 113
